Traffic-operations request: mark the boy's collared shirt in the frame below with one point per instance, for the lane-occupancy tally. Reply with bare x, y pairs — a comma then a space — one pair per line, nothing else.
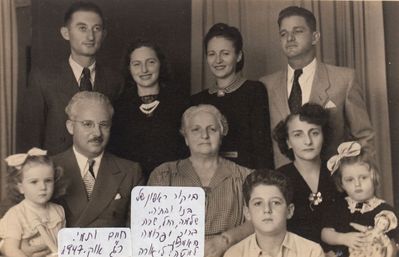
292, 246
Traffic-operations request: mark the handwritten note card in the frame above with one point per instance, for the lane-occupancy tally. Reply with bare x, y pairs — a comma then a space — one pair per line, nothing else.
168, 221
94, 242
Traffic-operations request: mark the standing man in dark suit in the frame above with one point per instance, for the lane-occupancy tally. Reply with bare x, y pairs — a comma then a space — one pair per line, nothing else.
51, 89
305, 79
99, 183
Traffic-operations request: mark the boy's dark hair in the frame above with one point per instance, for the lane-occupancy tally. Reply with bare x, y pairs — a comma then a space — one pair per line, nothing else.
298, 11
311, 113
268, 178
230, 33
15, 176
164, 69
82, 6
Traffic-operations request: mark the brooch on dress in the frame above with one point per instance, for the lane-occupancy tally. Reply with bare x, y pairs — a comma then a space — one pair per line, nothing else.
315, 199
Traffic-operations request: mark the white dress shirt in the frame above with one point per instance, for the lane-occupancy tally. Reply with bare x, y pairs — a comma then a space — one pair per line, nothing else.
84, 165
77, 70
305, 80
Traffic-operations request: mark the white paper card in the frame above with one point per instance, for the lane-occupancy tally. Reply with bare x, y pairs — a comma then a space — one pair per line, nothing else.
94, 242
168, 221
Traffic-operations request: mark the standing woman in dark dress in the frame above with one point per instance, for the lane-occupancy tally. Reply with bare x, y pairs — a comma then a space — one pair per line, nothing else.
302, 138
243, 102
147, 117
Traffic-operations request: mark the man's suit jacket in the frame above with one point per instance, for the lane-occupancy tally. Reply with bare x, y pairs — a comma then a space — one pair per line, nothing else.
334, 88
48, 93
110, 199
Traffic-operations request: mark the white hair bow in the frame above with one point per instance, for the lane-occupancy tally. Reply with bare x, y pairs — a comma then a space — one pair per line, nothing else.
346, 149
17, 160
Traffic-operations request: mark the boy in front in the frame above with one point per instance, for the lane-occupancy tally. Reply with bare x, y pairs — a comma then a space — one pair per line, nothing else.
268, 196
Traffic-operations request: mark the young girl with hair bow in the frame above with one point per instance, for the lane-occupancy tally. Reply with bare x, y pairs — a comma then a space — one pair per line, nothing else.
361, 225
33, 181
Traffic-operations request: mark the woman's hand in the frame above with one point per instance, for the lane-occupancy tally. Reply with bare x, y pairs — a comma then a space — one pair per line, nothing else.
215, 247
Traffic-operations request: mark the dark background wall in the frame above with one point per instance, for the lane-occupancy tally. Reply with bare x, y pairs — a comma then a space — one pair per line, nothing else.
391, 21
166, 22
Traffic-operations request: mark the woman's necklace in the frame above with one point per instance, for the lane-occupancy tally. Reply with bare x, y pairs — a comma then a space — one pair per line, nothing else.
149, 104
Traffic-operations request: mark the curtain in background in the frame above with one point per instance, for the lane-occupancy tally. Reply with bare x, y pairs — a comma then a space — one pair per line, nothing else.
8, 83
352, 35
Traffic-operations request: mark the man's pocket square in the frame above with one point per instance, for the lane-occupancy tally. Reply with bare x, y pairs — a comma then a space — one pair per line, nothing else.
117, 196
330, 104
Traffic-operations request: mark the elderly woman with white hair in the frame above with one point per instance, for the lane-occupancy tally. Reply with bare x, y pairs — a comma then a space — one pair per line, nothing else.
203, 128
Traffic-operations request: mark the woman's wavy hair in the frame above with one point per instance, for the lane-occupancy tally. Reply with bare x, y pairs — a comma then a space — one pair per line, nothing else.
230, 33
311, 113
164, 70
15, 176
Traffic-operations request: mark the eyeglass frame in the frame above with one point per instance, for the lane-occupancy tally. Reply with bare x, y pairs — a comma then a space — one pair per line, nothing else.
91, 124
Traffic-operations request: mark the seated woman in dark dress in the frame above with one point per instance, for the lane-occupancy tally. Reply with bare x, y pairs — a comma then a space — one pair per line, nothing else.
302, 138
147, 117
243, 102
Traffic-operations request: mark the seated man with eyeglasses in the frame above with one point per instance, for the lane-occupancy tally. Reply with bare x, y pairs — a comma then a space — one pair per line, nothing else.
99, 183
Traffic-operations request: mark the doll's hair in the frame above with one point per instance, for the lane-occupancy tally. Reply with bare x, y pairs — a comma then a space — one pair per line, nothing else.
311, 113
268, 178
15, 176
363, 159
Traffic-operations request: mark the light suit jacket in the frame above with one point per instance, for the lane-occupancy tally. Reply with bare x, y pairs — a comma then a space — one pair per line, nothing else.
110, 200
334, 88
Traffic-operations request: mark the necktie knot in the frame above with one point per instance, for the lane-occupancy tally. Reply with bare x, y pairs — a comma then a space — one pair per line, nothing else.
86, 72
91, 167
85, 82
297, 74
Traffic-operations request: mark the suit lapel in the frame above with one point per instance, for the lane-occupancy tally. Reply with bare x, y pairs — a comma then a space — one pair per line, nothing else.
74, 198
320, 85
281, 96
100, 83
67, 83
106, 187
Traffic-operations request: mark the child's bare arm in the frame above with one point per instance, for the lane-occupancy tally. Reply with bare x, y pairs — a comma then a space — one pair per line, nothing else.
355, 240
11, 247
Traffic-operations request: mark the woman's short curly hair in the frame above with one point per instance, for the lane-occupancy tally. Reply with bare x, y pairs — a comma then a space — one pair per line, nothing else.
311, 113
193, 110
230, 33
15, 176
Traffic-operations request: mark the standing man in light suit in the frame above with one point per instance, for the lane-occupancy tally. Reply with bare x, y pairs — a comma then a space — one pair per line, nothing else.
305, 79
99, 183
51, 88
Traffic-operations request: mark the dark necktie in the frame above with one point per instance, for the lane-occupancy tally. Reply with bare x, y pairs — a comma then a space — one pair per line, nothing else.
85, 83
295, 99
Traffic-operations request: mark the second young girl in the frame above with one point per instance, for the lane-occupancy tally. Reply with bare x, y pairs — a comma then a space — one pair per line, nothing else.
350, 225
31, 182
